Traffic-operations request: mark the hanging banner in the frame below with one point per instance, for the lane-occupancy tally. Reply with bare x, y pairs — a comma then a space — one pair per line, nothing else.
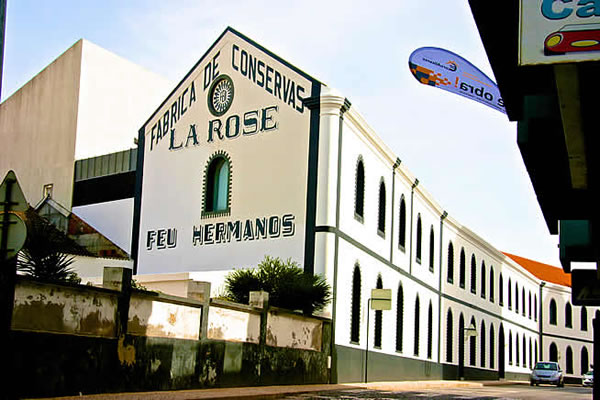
448, 71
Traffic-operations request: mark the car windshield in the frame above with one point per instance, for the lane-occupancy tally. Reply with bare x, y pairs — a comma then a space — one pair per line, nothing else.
546, 366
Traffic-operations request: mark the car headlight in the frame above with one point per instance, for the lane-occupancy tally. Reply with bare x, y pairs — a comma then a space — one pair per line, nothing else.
554, 40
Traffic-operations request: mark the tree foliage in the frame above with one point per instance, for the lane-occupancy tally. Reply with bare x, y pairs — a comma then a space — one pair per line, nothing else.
287, 284
43, 256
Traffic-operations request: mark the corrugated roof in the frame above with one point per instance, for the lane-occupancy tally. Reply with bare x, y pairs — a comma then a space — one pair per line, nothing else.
545, 272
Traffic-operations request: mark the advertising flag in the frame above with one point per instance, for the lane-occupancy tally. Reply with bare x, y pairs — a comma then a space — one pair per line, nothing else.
448, 71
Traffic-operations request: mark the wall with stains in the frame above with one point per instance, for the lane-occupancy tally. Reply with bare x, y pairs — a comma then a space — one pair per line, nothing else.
240, 324
66, 309
69, 339
294, 331
158, 318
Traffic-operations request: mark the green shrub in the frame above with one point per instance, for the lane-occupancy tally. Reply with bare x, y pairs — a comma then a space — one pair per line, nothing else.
287, 284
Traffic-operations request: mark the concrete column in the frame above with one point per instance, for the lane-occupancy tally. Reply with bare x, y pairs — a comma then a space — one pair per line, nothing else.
331, 110
119, 279
596, 358
200, 291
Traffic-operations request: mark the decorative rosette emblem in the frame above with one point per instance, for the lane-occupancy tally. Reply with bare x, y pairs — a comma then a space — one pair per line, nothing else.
220, 95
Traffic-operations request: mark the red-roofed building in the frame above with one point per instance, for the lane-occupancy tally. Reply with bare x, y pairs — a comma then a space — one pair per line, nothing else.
544, 272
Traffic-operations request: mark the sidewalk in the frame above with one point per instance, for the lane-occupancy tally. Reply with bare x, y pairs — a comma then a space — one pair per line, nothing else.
275, 392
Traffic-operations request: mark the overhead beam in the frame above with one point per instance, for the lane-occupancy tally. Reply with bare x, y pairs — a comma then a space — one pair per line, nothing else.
567, 85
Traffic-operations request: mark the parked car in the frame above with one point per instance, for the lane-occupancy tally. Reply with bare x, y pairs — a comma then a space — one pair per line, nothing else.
547, 372
573, 38
588, 378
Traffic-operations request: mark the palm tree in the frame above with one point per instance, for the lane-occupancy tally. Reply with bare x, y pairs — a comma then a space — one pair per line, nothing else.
46, 253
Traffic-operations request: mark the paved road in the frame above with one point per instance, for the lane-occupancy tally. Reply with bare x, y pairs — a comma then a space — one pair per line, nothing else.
486, 392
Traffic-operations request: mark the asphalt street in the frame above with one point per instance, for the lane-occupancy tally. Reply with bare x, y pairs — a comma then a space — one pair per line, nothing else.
486, 392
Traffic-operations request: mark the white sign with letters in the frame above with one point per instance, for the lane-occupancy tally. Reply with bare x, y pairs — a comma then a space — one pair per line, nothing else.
559, 31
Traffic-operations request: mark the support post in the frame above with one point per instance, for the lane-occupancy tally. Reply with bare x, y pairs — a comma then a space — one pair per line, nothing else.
261, 300
119, 278
201, 291
367, 346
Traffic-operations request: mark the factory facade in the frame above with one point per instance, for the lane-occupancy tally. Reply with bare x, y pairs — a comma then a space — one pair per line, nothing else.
250, 156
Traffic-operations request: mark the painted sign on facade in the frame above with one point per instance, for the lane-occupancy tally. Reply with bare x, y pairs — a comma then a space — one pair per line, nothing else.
448, 71
226, 164
558, 31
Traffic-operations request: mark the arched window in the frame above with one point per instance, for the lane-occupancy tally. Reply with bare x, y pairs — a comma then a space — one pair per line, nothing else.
530, 354
217, 180
450, 271
431, 249
509, 295
381, 215
516, 297
359, 196
492, 347
482, 344
430, 331
402, 232
523, 300
399, 318
473, 274
553, 353
584, 320
569, 360
517, 355
419, 239
462, 267
483, 275
529, 305
501, 291
568, 315
449, 333
524, 351
585, 361
492, 284
510, 348
552, 312
378, 317
355, 310
416, 326
535, 307
472, 345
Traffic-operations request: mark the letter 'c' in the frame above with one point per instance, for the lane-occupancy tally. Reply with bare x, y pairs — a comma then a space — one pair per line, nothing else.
548, 11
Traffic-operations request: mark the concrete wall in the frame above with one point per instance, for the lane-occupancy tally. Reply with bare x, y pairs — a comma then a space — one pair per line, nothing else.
85, 103
37, 129
70, 339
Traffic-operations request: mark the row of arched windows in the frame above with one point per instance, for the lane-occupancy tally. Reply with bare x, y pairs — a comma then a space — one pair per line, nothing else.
553, 315
359, 208
487, 349
520, 351
584, 360
484, 284
355, 318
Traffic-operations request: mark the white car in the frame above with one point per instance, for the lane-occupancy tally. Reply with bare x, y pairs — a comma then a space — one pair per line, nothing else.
588, 378
547, 372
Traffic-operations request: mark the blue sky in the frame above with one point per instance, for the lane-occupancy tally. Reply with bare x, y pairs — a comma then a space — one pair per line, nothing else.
462, 152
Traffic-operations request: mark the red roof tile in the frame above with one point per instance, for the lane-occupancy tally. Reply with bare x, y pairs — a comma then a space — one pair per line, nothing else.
545, 272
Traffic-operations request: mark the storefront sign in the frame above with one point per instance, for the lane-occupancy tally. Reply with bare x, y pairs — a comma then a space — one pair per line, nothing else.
558, 31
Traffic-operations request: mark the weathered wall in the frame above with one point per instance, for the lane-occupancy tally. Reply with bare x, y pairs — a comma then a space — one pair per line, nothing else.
64, 309
294, 331
233, 324
158, 318
70, 339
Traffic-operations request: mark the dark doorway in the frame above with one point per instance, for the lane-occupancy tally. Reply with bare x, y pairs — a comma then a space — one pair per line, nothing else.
461, 347
501, 353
